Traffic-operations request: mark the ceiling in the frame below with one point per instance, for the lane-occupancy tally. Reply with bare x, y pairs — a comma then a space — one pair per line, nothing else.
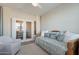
29, 8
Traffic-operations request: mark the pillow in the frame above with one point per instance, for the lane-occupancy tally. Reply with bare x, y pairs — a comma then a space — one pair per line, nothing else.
54, 35
43, 32
46, 34
61, 36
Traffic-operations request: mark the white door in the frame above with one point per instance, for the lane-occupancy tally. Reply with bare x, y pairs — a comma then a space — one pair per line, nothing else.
20, 28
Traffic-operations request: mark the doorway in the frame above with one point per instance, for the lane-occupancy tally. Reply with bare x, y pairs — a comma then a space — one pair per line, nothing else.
28, 30
19, 29
22, 29
34, 27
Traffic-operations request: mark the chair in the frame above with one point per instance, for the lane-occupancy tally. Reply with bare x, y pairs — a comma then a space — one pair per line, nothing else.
9, 46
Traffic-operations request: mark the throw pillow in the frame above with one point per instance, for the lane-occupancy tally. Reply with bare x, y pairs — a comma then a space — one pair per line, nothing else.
46, 34
61, 36
54, 35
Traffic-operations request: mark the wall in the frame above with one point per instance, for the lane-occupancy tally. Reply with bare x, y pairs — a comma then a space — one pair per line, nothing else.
9, 13
1, 23
63, 17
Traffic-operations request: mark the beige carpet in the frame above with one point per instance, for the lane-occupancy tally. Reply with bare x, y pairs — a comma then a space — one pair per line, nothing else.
31, 49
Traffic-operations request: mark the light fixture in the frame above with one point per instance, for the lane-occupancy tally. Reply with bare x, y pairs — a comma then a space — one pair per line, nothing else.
35, 4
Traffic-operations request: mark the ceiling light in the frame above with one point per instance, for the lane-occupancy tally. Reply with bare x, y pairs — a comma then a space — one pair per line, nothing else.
35, 4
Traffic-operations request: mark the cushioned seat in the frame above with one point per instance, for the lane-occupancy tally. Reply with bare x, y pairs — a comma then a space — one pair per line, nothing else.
9, 45
51, 45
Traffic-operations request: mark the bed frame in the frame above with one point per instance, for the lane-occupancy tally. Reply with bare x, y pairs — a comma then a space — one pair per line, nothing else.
72, 46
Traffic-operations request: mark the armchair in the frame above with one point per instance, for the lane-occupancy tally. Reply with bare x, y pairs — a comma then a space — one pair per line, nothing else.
9, 46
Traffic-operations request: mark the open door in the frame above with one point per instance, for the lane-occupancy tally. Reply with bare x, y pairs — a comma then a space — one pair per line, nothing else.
22, 29
28, 29
19, 30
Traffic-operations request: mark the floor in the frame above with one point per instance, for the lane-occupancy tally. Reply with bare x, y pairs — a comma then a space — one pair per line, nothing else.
31, 49
27, 40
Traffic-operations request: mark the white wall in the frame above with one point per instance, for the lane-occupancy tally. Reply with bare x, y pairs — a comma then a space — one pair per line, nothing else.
63, 17
9, 13
1, 22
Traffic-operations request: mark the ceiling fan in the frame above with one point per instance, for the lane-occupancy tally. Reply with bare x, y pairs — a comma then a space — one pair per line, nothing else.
36, 5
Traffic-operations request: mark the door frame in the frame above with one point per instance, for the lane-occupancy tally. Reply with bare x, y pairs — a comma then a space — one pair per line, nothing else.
13, 32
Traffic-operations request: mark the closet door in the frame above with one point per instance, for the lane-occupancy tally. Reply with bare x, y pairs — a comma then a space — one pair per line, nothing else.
1, 22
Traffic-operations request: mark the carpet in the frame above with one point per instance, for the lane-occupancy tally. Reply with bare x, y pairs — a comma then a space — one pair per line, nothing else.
31, 49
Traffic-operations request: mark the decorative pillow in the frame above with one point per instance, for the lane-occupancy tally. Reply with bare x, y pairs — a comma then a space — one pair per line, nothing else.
61, 36
54, 35
43, 32
46, 34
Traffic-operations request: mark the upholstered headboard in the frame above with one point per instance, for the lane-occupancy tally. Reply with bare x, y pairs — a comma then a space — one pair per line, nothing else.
55, 31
